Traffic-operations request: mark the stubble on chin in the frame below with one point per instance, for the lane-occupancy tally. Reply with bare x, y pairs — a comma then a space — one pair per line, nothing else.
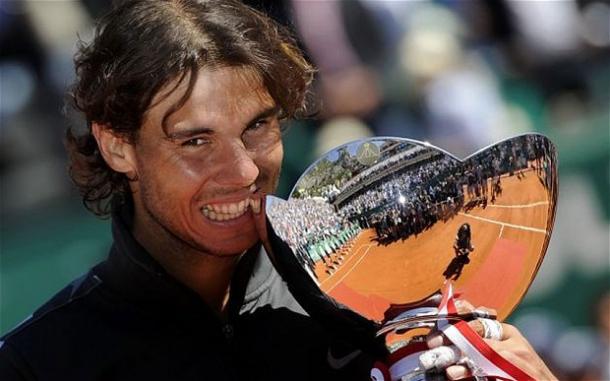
164, 239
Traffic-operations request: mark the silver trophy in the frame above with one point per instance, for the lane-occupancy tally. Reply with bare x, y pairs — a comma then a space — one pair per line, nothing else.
375, 229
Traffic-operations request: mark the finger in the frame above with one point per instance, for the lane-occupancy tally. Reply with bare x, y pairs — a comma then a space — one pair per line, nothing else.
457, 372
439, 358
436, 339
509, 331
463, 306
490, 311
500, 346
477, 326
510, 337
487, 328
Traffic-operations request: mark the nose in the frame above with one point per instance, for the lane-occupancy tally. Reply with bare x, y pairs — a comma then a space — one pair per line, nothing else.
238, 167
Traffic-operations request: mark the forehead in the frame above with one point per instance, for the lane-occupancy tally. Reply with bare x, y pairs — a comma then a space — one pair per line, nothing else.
227, 95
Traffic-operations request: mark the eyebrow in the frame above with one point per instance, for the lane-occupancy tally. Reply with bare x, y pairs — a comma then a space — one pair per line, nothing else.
190, 132
269, 111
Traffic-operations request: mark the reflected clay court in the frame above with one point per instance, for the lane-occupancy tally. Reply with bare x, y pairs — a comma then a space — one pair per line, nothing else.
382, 224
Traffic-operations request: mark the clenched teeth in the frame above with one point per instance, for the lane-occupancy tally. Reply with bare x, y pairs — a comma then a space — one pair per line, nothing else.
229, 211
256, 205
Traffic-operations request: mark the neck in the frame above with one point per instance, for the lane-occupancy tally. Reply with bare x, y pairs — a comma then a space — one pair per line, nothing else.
209, 276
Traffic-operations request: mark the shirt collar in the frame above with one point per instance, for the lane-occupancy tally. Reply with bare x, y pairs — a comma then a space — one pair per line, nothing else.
134, 274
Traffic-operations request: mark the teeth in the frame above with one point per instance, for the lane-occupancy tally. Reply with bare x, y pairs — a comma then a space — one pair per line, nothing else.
229, 211
233, 208
256, 205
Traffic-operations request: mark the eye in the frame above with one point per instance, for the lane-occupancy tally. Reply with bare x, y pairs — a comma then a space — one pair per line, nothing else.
195, 142
258, 124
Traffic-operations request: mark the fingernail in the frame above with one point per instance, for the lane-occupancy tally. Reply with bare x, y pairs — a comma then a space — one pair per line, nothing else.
435, 341
456, 372
439, 358
459, 306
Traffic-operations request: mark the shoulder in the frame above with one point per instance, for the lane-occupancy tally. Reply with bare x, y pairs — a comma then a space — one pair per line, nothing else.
12, 364
49, 331
57, 306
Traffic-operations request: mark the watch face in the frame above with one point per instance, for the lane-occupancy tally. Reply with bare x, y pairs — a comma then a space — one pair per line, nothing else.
377, 226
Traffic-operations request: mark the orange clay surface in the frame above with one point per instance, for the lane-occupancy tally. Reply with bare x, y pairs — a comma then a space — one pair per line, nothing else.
508, 237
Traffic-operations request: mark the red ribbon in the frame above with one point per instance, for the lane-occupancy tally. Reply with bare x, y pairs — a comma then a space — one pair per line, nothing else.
492, 364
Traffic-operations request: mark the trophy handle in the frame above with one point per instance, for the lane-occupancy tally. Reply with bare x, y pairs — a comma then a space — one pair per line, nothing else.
414, 360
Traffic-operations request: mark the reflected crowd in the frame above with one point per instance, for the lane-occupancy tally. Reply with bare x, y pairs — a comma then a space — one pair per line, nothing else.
313, 230
458, 74
426, 191
399, 197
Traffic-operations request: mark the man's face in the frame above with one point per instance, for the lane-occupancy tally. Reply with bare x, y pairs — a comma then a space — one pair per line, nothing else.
200, 182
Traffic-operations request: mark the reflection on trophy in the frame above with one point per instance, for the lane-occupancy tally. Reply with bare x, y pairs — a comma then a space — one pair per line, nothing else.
462, 247
378, 235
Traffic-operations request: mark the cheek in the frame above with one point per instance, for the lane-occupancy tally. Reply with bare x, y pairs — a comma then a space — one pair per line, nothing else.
270, 161
170, 177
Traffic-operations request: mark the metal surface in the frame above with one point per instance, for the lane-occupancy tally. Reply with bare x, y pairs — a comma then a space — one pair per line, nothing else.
379, 225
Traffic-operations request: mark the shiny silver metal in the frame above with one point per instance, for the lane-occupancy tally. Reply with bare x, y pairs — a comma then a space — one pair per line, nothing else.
378, 226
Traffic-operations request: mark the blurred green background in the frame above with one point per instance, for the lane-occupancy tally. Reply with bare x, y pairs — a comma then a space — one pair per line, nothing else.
458, 74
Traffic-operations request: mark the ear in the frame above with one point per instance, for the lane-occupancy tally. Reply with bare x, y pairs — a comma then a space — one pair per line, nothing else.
118, 153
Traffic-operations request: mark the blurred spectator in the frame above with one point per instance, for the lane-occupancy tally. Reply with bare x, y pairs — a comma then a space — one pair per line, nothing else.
458, 74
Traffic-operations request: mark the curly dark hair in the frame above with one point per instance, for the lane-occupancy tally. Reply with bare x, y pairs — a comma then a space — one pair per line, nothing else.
140, 46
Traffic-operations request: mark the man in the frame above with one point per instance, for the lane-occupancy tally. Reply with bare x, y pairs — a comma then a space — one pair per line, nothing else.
183, 101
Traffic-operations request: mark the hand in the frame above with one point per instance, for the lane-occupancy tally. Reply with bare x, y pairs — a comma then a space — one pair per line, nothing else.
512, 346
